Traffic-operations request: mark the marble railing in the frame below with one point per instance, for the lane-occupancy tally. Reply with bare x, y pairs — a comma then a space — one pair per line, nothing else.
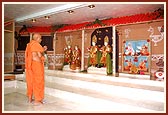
58, 59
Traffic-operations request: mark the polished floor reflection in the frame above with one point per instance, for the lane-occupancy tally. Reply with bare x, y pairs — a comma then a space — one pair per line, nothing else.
18, 102
76, 92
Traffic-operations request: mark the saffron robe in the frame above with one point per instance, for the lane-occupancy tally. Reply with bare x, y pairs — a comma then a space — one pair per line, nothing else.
34, 72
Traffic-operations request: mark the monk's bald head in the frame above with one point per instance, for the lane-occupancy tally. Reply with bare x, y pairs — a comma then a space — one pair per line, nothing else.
37, 37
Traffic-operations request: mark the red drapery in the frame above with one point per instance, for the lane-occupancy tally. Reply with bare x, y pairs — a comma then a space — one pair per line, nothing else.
107, 22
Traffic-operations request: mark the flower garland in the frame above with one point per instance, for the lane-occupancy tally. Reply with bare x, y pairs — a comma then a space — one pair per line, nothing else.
56, 27
97, 21
157, 14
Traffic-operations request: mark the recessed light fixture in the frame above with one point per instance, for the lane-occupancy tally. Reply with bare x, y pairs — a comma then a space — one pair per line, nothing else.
46, 17
91, 6
70, 11
33, 20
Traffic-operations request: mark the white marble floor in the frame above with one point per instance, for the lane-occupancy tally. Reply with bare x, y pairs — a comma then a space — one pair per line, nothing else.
16, 102
80, 93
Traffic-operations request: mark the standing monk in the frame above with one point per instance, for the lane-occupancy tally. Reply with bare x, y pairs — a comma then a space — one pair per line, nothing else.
34, 65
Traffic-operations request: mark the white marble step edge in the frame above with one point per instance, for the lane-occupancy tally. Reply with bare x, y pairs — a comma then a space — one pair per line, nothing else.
131, 93
89, 103
122, 78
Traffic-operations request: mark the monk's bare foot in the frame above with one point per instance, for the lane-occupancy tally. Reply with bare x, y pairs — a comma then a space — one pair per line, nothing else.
43, 101
36, 103
30, 100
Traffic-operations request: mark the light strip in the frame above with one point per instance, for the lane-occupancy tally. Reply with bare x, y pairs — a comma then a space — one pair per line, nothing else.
51, 11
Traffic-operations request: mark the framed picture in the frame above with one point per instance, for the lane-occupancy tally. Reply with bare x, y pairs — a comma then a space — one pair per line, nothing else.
136, 56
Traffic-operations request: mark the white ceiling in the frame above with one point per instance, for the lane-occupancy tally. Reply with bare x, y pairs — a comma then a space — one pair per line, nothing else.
23, 13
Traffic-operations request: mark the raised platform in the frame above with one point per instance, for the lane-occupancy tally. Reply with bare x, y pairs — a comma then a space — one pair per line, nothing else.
95, 70
9, 77
84, 92
67, 68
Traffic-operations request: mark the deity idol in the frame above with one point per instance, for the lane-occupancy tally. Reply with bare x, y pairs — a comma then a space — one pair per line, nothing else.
93, 50
105, 57
67, 55
76, 58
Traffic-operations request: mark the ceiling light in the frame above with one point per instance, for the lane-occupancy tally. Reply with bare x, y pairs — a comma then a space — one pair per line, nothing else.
54, 10
70, 11
33, 20
91, 6
46, 17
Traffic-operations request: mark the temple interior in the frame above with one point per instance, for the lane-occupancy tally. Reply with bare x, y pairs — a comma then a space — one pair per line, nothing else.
101, 57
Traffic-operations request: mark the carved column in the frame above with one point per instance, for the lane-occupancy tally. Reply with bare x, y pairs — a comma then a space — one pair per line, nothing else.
115, 52
83, 44
54, 45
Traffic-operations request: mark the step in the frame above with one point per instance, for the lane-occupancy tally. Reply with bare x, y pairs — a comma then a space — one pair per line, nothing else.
112, 97
86, 89
109, 88
69, 92
110, 80
88, 103
123, 79
94, 84
9, 77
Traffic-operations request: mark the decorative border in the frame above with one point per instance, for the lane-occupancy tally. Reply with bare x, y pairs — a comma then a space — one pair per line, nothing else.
58, 59
156, 57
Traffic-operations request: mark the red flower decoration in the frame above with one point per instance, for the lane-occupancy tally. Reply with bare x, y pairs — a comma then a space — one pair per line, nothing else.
142, 73
148, 40
160, 74
126, 60
147, 54
135, 60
